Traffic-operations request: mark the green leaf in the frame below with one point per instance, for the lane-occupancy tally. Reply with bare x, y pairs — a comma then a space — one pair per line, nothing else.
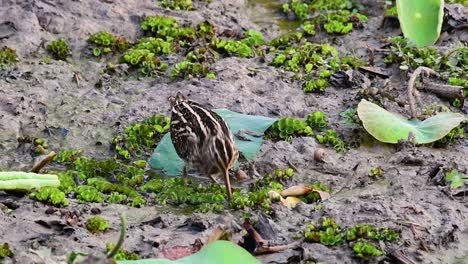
421, 20
390, 127
217, 252
456, 179
165, 159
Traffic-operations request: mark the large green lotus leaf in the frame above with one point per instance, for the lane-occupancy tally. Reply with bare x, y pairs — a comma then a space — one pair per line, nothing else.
165, 158
421, 20
218, 252
390, 127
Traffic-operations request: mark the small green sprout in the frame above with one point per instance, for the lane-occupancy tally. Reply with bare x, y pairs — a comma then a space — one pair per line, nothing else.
8, 56
253, 38
122, 254
365, 250
376, 172
309, 28
5, 251
97, 224
456, 179
313, 197
50, 195
59, 49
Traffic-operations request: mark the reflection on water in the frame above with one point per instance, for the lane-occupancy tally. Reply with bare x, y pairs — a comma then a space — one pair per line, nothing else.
267, 13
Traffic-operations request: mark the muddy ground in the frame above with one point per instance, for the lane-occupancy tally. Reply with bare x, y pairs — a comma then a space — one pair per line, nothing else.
41, 100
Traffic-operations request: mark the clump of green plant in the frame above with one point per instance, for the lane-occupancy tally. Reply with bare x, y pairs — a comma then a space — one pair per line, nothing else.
405, 54
97, 224
141, 137
89, 194
8, 56
318, 62
331, 137
341, 22
456, 179
376, 172
196, 64
157, 46
203, 198
370, 232
278, 175
365, 250
285, 40
144, 60
314, 86
160, 26
177, 4
313, 197
317, 120
327, 232
122, 254
336, 16
68, 156
104, 42
67, 181
59, 49
257, 197
243, 48
50, 195
5, 251
288, 128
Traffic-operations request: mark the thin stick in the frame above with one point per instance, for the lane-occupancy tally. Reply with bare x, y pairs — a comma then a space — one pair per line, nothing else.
444, 90
412, 88
119, 244
38, 166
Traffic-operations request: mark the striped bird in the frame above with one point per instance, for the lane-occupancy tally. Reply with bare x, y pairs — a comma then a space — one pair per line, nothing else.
202, 139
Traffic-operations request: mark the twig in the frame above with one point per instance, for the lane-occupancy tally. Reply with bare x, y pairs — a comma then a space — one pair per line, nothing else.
272, 249
38, 166
119, 244
290, 164
444, 90
411, 87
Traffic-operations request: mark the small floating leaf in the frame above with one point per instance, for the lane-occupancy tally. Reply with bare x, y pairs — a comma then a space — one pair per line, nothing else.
390, 127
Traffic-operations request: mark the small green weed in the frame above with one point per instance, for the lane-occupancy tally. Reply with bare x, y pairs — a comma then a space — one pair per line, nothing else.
5, 251
456, 179
177, 4
8, 56
104, 42
144, 60
59, 49
97, 224
122, 254
141, 137
50, 195
365, 250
